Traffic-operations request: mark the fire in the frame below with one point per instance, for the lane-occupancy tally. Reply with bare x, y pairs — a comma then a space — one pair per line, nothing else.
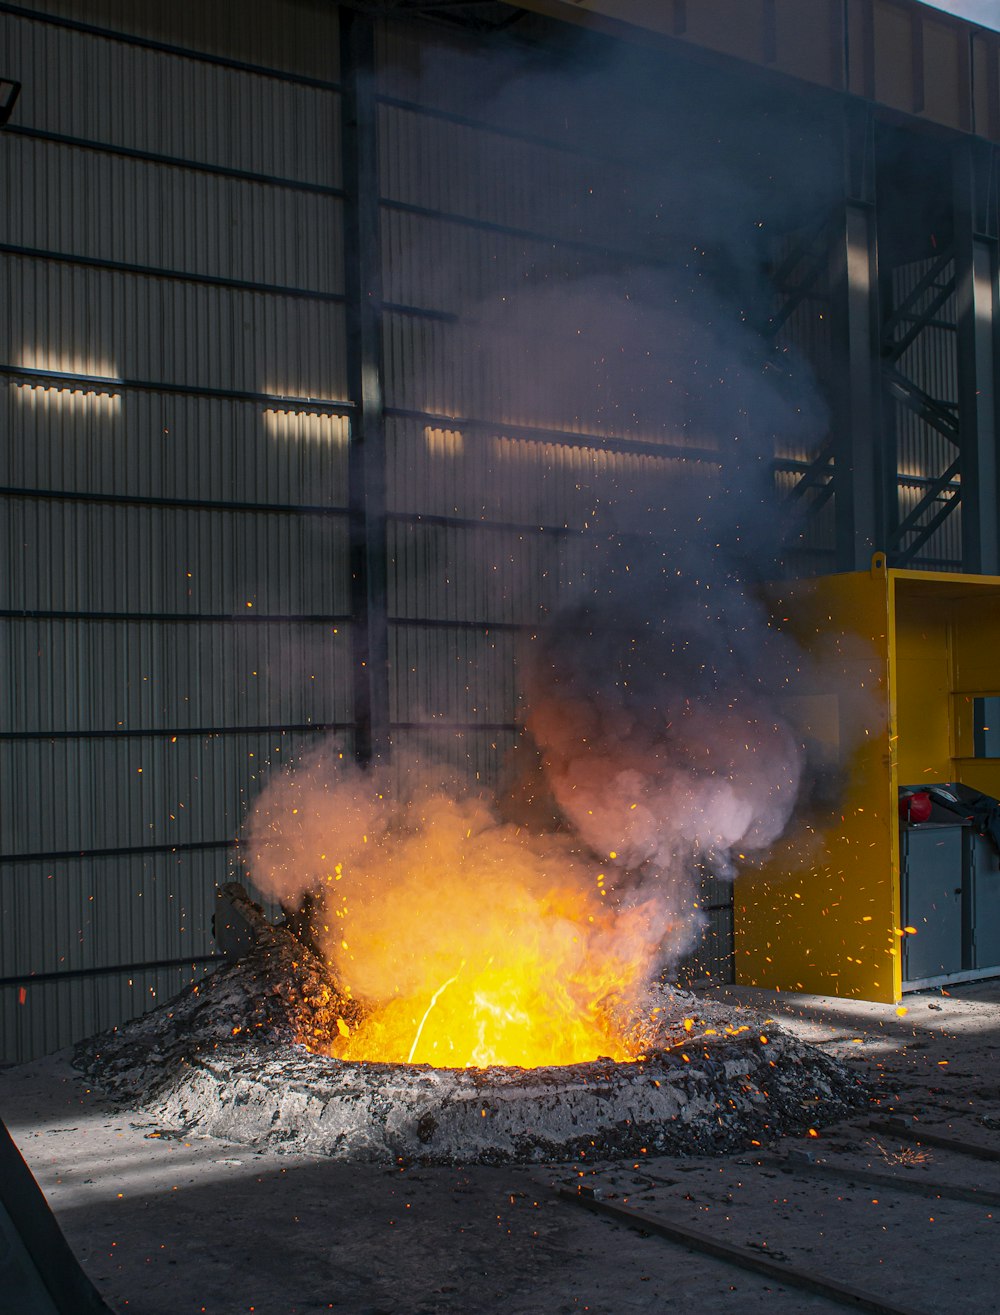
535, 978
459, 940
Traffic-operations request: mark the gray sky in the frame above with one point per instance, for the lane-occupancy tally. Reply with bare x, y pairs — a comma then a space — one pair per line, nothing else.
986, 12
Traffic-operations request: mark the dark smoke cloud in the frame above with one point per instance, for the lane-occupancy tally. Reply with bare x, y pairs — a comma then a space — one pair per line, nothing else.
656, 743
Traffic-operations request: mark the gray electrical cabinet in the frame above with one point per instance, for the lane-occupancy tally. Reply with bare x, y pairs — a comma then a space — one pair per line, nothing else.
933, 897
950, 886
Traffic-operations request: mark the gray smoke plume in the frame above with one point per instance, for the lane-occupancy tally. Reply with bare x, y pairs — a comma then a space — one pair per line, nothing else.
654, 742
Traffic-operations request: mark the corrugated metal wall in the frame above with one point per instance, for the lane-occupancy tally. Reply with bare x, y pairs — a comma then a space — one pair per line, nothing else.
175, 615
176, 513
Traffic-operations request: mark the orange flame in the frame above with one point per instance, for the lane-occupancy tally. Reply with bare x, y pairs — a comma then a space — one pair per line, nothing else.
462, 940
531, 984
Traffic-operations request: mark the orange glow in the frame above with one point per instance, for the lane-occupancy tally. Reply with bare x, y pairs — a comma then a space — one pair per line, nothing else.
457, 939
529, 983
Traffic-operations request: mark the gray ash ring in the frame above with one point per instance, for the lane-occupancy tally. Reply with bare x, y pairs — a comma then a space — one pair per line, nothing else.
226, 1059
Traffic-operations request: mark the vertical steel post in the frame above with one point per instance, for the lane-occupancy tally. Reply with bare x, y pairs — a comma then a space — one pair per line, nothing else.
366, 462
856, 410
976, 302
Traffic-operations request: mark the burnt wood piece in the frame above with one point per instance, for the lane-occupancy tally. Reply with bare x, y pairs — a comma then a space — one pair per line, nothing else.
238, 921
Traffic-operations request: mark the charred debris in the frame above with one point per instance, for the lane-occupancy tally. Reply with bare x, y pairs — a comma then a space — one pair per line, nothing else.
240, 1055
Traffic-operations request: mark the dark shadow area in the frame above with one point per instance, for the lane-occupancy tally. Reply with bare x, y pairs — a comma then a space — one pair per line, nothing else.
347, 1237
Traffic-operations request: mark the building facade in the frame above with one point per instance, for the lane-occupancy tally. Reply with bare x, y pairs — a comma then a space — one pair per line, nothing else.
336, 338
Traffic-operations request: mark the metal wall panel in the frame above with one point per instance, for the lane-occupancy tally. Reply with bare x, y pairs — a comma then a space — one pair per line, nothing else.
111, 94
809, 40
985, 74
78, 677
36, 1017
85, 794
77, 320
97, 911
144, 444
459, 676
478, 755
92, 557
804, 308
923, 454
894, 78
300, 38
732, 27
458, 168
944, 63
152, 214
174, 621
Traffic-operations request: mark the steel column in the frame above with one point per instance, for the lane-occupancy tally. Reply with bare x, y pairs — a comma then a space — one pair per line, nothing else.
366, 465
975, 294
856, 410
858, 450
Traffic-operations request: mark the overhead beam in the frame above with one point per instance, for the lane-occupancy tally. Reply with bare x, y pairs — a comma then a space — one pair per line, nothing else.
936, 67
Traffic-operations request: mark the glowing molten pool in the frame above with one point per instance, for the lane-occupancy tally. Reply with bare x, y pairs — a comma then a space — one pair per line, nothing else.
485, 974
521, 986
458, 940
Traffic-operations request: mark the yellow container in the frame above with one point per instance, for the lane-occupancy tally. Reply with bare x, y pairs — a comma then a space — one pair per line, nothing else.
893, 662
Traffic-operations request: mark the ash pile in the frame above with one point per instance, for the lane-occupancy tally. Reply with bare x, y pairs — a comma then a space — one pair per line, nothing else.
234, 1056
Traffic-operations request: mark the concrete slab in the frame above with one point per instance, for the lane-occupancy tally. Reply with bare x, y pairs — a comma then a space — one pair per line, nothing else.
168, 1225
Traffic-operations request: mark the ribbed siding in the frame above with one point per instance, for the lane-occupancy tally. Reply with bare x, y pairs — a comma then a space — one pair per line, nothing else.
476, 755
117, 95
36, 1017
93, 557
174, 620
103, 794
301, 41
143, 444
174, 219
150, 331
156, 678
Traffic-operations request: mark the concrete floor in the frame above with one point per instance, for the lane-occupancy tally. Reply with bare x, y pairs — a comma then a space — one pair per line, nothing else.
168, 1225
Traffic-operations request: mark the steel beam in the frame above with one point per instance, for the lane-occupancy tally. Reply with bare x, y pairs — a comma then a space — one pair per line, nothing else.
856, 419
976, 300
855, 406
366, 460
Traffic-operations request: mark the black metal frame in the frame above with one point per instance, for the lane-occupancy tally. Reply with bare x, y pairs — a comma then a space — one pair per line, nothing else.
873, 333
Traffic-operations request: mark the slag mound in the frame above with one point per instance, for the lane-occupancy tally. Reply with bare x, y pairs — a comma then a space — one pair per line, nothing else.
239, 1056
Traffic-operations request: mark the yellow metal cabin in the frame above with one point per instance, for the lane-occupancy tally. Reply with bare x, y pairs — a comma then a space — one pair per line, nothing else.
899, 665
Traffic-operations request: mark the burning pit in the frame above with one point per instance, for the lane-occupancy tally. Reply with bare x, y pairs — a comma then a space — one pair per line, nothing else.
241, 1056
473, 974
